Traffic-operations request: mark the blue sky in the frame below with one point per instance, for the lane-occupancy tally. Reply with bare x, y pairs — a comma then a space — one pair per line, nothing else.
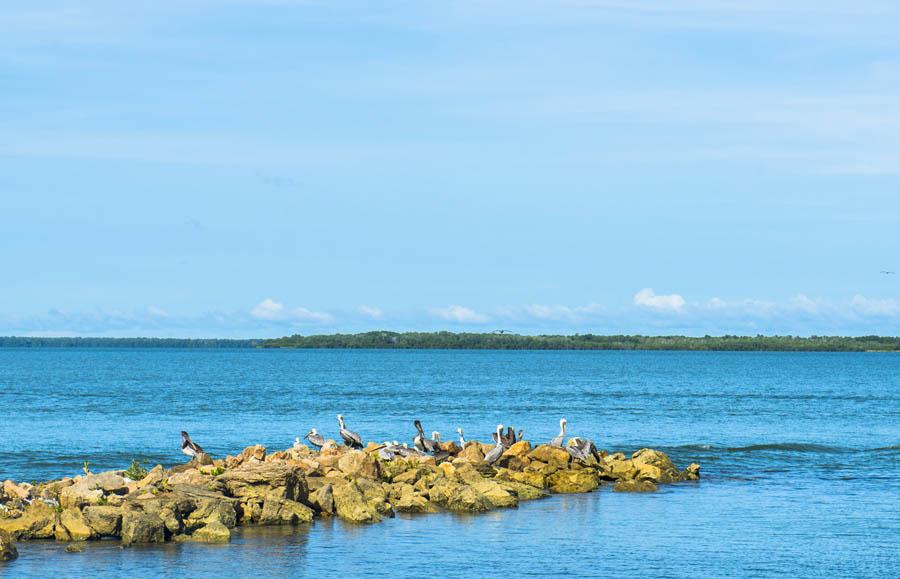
261, 168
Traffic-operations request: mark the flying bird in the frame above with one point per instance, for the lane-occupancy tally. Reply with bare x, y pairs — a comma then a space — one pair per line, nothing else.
886, 272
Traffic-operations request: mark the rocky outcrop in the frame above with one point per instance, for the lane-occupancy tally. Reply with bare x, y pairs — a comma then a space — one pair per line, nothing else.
203, 501
8, 550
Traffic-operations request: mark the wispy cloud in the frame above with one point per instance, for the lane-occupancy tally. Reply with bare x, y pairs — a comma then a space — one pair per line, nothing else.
647, 298
273, 311
460, 314
371, 312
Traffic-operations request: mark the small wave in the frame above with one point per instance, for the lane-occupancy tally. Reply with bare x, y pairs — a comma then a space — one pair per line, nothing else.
780, 447
892, 448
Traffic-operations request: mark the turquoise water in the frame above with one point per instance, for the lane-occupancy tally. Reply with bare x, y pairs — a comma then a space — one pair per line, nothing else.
800, 455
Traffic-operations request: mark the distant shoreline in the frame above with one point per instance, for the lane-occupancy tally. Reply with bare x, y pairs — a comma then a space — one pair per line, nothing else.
489, 341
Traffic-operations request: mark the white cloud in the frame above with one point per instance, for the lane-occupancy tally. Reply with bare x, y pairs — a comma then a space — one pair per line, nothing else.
460, 314
273, 311
371, 312
647, 298
556, 312
805, 304
875, 307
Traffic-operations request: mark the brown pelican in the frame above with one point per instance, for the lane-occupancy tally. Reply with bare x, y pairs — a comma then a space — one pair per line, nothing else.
496, 452
581, 448
421, 443
351, 438
436, 440
315, 438
558, 441
189, 447
509, 438
462, 440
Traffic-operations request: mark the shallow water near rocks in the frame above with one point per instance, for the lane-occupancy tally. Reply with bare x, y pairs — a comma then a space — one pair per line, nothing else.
800, 455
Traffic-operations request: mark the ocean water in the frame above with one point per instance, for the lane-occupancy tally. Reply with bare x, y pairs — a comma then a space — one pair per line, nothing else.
800, 456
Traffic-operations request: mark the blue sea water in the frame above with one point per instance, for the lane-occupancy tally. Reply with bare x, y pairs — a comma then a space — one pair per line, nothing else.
800, 455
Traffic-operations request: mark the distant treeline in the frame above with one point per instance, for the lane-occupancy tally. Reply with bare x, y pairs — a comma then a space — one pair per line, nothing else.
16, 342
509, 341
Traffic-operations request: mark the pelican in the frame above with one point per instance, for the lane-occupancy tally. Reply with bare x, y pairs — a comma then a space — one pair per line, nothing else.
581, 448
495, 453
387, 452
351, 438
462, 440
297, 442
315, 438
189, 447
558, 441
436, 441
421, 443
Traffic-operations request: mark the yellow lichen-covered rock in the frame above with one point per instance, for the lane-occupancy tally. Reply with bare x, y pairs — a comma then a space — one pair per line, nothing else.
692, 472
104, 521
214, 532
635, 486
550, 455
284, 512
447, 469
16, 491
72, 526
141, 527
472, 452
350, 504
8, 550
519, 449
523, 491
406, 500
251, 454
533, 479
655, 466
620, 468
573, 481
37, 522
359, 464
456, 496
410, 476
494, 492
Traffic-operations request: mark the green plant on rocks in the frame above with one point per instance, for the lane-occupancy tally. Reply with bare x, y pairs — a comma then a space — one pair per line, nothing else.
136, 471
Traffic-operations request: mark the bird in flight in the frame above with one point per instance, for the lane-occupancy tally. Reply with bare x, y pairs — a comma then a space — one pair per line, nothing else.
886, 272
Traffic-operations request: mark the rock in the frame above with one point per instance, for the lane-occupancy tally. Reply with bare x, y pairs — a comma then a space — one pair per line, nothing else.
692, 472
140, 527
330, 448
72, 526
153, 478
573, 481
409, 477
533, 479
8, 550
450, 447
18, 491
350, 504
472, 452
284, 512
519, 449
408, 501
323, 500
251, 454
262, 480
189, 477
73, 548
202, 459
375, 496
104, 521
214, 532
619, 468
359, 464
90, 489
635, 486
37, 522
456, 496
494, 492
655, 466
523, 491
550, 455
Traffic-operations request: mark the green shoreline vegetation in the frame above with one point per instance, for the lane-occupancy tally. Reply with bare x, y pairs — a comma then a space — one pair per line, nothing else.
490, 341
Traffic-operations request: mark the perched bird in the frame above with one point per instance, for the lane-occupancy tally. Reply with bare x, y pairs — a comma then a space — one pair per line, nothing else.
315, 438
582, 449
496, 452
558, 441
436, 440
421, 443
351, 439
188, 446
462, 440
297, 443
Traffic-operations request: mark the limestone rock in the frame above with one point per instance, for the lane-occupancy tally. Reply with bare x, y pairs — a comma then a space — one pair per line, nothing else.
104, 521
90, 489
472, 452
284, 512
573, 481
533, 479
692, 472
17, 491
251, 454
359, 464
655, 466
8, 550
141, 527
635, 486
214, 532
408, 501
37, 522
456, 496
519, 449
350, 504
323, 500
262, 480
523, 491
72, 526
550, 455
